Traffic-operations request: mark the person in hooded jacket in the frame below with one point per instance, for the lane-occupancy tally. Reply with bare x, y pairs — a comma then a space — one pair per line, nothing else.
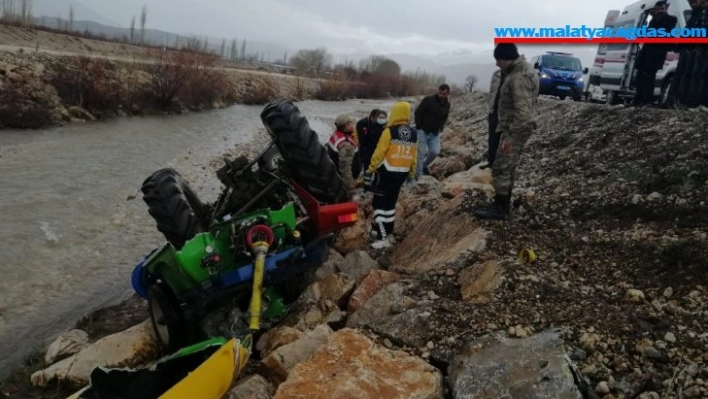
342, 148
393, 162
369, 134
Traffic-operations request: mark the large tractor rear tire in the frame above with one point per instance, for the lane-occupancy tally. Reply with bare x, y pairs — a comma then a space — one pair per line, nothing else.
179, 213
306, 158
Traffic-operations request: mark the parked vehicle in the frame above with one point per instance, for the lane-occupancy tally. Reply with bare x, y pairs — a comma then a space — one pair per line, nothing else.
270, 225
560, 74
618, 75
593, 91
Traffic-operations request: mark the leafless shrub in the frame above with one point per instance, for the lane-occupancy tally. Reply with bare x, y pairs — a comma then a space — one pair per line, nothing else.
22, 107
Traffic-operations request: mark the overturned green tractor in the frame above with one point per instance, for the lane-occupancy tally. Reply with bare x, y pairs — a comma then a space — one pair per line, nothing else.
274, 220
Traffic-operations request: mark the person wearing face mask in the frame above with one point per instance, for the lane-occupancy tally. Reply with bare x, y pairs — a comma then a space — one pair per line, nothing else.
393, 162
369, 140
342, 148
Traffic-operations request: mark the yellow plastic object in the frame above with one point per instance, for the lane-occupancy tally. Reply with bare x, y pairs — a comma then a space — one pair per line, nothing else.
213, 378
527, 256
260, 248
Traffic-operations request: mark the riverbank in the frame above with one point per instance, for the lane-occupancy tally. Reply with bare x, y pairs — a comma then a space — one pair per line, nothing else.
612, 202
41, 89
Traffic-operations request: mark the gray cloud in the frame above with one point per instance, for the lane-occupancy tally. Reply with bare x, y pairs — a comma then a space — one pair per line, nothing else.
356, 26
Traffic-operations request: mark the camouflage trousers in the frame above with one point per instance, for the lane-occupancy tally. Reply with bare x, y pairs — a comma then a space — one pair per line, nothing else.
504, 167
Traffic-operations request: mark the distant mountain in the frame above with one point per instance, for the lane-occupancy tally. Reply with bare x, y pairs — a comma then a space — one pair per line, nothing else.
60, 9
269, 51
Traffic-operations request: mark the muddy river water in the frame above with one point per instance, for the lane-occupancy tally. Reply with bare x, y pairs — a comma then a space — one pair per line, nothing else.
70, 236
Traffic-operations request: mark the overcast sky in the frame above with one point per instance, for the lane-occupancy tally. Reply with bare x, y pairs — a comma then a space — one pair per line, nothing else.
388, 26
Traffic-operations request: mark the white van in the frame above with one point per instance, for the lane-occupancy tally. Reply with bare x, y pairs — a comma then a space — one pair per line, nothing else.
617, 78
593, 91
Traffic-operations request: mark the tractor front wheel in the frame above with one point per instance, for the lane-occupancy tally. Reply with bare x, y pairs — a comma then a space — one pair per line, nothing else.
171, 330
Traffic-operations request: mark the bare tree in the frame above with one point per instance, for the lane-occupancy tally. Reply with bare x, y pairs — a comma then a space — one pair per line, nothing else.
30, 6
285, 58
470, 83
234, 50
243, 50
70, 25
143, 21
223, 48
311, 62
132, 29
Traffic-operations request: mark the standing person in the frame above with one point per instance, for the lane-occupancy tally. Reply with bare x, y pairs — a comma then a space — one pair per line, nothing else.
364, 125
517, 99
692, 91
682, 77
430, 118
394, 161
652, 56
342, 148
493, 117
701, 81
368, 132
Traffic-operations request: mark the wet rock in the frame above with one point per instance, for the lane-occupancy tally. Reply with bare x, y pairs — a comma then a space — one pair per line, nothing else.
670, 338
80, 113
335, 288
472, 179
64, 114
330, 266
358, 264
494, 367
305, 315
278, 364
392, 314
128, 348
654, 196
634, 295
252, 387
448, 235
275, 338
352, 366
447, 166
478, 282
354, 237
370, 286
668, 292
602, 388
693, 392
425, 185
67, 344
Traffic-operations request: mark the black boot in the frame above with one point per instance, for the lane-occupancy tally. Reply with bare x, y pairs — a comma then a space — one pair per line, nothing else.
497, 210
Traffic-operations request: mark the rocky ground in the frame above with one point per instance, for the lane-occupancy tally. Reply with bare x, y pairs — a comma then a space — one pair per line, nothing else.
611, 201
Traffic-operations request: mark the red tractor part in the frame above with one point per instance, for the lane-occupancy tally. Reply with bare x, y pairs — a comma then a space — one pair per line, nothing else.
325, 219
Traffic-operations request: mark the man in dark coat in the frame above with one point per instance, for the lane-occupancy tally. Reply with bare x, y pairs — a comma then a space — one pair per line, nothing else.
652, 56
430, 118
678, 93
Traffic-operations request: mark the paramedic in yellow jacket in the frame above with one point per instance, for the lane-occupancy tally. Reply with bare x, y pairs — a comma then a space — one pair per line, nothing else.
393, 162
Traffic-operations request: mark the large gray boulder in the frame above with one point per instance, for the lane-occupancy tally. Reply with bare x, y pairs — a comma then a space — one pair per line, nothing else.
532, 368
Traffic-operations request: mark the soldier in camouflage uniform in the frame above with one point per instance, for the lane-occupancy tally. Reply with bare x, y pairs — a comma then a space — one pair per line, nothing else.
517, 99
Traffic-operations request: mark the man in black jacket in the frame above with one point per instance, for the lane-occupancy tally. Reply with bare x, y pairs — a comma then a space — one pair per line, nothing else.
699, 76
678, 94
430, 118
652, 56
